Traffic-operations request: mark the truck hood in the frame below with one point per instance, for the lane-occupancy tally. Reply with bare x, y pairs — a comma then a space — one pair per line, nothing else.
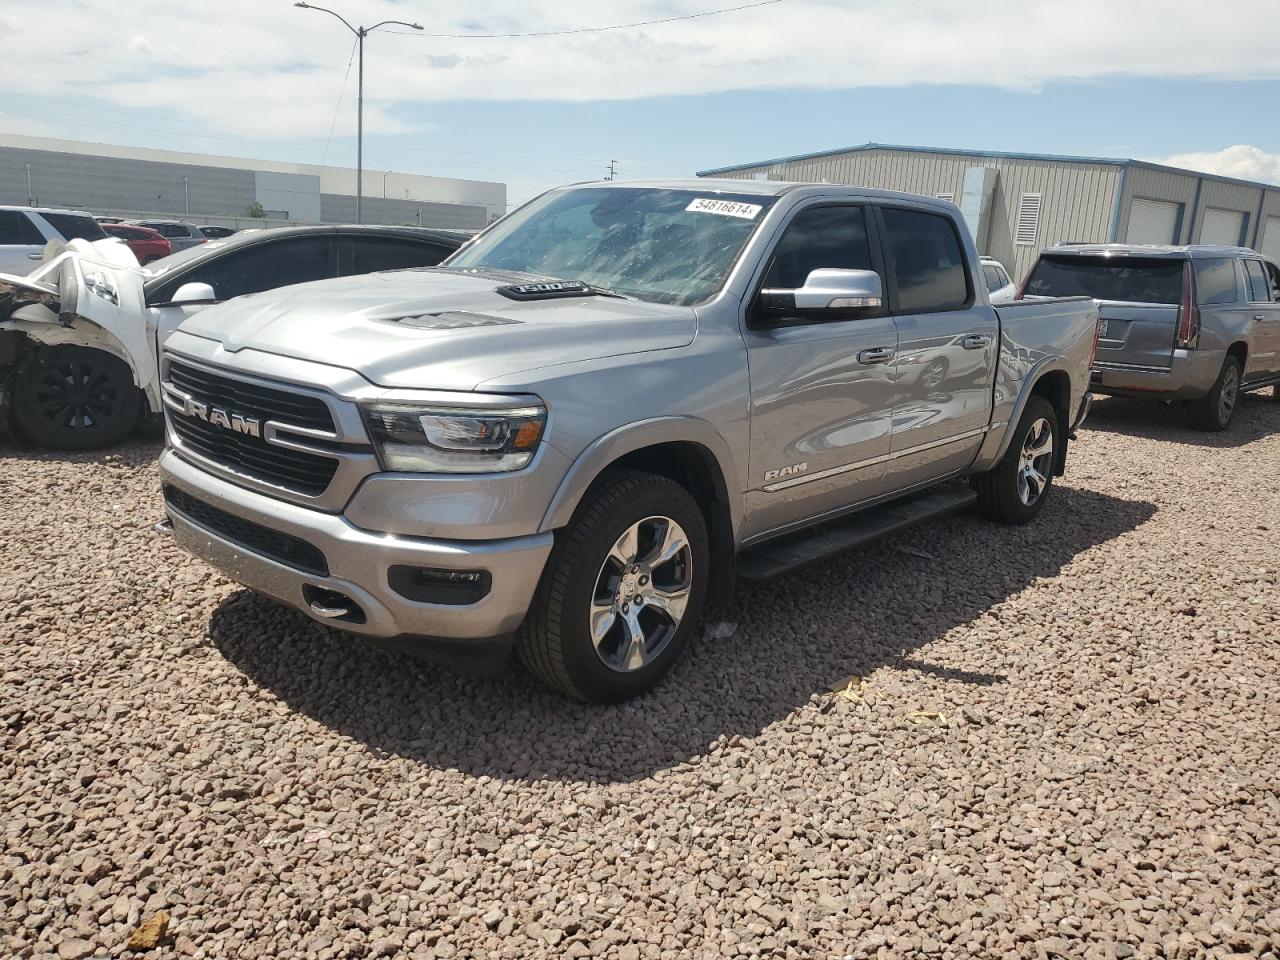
438, 328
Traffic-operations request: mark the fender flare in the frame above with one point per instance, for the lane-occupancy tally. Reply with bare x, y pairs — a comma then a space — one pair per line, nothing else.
607, 449
1000, 436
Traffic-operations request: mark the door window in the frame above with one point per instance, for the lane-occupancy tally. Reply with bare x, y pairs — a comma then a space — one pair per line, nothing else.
1259, 285
16, 228
73, 227
263, 266
1215, 281
370, 254
819, 237
928, 261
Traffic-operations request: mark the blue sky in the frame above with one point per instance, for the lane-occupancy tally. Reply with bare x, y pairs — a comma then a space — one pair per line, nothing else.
247, 78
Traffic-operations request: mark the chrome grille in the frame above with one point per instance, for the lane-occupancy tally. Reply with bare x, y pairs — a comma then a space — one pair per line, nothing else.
265, 403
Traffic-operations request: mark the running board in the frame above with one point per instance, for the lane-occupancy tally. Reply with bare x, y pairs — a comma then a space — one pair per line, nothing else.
790, 553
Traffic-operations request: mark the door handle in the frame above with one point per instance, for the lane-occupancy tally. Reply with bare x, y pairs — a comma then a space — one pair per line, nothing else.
34, 256
975, 341
875, 355
1259, 317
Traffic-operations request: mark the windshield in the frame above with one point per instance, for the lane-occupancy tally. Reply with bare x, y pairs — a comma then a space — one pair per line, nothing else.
1119, 279
665, 246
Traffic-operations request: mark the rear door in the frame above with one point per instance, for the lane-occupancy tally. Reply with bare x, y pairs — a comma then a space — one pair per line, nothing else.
947, 343
21, 243
821, 390
1138, 299
1263, 285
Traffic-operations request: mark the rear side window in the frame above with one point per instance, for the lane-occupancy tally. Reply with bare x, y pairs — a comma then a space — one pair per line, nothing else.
1259, 285
1273, 275
994, 277
830, 237
73, 227
1121, 279
928, 261
175, 231
370, 254
17, 228
1215, 281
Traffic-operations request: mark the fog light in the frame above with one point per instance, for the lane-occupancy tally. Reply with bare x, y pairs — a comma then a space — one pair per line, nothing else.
450, 587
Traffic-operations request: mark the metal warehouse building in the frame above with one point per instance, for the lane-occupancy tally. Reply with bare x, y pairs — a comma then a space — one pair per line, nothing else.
1017, 204
135, 182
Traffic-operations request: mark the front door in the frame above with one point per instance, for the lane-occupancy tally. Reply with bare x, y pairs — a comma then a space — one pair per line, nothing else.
1264, 351
947, 343
821, 390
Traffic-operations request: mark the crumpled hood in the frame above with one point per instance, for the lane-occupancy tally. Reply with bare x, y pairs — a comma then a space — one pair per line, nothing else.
460, 332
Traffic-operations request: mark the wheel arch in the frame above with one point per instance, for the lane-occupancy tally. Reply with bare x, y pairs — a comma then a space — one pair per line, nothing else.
1055, 386
687, 451
38, 336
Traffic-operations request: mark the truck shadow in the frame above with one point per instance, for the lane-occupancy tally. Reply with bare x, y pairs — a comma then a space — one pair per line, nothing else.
795, 638
1257, 417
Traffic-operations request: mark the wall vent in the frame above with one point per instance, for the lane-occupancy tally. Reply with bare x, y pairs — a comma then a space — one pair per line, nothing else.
1028, 219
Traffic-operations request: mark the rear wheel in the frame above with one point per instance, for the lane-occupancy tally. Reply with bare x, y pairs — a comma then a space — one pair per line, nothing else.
1213, 411
1016, 488
622, 592
76, 398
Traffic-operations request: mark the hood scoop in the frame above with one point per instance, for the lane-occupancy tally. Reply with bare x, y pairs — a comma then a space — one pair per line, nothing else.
453, 320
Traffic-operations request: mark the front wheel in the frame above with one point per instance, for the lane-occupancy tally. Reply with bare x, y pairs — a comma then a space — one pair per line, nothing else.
622, 592
1016, 488
76, 398
1213, 412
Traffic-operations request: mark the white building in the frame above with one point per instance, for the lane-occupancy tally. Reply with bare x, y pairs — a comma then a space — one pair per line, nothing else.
133, 182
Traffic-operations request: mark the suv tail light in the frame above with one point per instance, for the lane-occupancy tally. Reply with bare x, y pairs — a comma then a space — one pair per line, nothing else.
1188, 313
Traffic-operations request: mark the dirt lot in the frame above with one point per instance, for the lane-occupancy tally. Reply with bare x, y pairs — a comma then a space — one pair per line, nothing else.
1066, 745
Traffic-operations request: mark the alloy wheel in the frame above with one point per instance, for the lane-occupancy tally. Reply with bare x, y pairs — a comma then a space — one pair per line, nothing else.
641, 593
1036, 462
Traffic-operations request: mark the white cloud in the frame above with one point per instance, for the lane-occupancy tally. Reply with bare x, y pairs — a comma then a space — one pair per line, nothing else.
259, 70
1240, 161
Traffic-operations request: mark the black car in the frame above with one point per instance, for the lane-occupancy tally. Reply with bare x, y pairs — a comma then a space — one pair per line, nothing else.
251, 261
217, 233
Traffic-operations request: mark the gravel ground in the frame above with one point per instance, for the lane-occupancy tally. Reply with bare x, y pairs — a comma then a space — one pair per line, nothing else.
1064, 743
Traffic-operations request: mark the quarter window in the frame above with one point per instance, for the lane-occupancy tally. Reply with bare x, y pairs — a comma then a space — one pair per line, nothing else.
928, 261
1215, 281
1259, 285
74, 227
831, 237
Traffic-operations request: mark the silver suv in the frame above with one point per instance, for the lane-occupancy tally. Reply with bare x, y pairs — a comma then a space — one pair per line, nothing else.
1199, 324
598, 410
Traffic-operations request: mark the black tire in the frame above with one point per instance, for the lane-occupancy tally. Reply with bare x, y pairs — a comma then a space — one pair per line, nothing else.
1000, 495
1214, 411
555, 642
76, 398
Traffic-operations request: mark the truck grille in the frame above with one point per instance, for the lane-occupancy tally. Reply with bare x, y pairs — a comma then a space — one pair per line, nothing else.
306, 473
254, 537
265, 403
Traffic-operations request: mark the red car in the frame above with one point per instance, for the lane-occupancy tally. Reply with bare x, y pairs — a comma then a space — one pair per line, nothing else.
146, 244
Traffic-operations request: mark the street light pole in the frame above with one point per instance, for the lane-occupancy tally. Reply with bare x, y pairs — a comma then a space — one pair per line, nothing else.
186, 194
361, 33
384, 184
30, 199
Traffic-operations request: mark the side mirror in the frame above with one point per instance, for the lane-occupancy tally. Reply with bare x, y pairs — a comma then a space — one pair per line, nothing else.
194, 293
827, 291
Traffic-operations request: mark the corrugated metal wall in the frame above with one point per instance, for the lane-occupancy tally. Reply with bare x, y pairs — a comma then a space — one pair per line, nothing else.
1175, 187
1079, 198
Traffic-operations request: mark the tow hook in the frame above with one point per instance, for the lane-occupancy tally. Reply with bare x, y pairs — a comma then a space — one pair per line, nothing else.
164, 526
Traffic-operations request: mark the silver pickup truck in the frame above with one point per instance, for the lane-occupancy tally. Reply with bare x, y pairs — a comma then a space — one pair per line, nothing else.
1199, 324
576, 431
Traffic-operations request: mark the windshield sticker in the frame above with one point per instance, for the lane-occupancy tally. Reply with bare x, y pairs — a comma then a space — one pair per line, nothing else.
726, 208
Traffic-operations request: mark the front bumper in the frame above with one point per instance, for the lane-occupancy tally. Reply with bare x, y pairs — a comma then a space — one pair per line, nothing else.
1190, 375
358, 562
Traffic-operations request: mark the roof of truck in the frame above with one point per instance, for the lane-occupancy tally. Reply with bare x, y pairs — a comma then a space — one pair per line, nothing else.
763, 188
1193, 251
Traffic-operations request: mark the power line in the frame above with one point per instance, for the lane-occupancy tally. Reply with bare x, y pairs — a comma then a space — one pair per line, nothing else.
338, 106
562, 33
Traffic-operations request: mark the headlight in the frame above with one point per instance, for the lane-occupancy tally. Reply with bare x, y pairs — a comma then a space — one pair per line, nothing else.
423, 439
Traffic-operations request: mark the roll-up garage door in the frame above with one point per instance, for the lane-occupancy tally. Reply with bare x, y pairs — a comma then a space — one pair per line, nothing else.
1271, 238
1153, 221
1222, 226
